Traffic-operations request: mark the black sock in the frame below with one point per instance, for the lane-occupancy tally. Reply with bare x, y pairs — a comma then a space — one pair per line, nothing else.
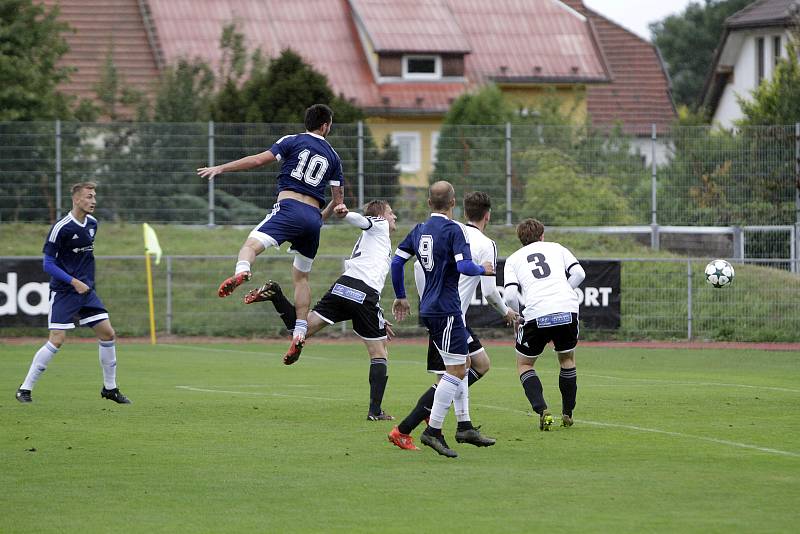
420, 411
286, 310
378, 376
533, 390
465, 425
568, 384
436, 432
473, 376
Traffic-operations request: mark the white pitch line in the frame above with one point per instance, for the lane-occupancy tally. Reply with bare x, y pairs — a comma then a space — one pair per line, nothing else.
230, 392
664, 432
668, 382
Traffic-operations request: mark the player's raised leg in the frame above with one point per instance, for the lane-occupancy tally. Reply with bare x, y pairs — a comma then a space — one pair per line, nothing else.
247, 254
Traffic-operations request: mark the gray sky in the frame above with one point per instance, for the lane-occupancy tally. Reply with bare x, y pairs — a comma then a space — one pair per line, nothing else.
636, 14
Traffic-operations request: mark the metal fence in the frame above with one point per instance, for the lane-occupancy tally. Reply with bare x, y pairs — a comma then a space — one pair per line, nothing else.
566, 176
662, 298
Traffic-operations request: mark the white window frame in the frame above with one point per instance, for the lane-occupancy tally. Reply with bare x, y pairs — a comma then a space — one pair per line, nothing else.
434, 146
436, 75
416, 149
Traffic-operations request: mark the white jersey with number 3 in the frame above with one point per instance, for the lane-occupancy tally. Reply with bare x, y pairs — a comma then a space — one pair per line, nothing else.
541, 270
372, 255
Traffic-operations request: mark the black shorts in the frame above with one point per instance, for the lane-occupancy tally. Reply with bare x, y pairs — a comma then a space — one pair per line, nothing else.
350, 299
532, 338
435, 362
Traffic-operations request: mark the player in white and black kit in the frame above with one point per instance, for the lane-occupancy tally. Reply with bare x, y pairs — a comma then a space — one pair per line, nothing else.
355, 296
546, 275
477, 211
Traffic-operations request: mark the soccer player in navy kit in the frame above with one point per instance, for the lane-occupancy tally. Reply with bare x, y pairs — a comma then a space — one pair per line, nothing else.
442, 248
69, 260
308, 165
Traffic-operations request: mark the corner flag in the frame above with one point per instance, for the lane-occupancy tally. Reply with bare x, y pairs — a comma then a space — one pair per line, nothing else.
151, 245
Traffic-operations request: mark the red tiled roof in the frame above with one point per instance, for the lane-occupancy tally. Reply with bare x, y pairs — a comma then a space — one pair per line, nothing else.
427, 26
100, 25
639, 94
537, 41
511, 38
322, 32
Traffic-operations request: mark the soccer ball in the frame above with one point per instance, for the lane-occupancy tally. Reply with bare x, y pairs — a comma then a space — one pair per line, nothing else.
719, 273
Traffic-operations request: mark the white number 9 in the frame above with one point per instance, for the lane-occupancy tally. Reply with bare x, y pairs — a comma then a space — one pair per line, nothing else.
426, 252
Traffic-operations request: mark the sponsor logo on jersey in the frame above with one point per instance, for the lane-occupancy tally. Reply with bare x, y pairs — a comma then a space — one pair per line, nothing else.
88, 248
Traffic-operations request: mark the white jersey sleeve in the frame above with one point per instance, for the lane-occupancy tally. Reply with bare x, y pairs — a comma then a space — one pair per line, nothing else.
372, 255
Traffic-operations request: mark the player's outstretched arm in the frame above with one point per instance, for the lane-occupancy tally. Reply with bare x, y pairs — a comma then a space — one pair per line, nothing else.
337, 192
243, 164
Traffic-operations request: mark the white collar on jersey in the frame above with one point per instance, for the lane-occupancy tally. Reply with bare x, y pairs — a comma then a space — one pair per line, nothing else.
439, 215
318, 136
85, 220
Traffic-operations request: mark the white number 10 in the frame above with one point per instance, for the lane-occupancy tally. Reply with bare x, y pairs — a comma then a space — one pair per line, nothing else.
315, 171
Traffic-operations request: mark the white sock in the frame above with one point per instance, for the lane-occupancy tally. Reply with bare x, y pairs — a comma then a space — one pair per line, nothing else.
300, 327
443, 398
108, 361
242, 266
39, 364
461, 401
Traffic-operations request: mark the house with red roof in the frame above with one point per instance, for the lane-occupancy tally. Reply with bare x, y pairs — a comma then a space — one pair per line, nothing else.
402, 61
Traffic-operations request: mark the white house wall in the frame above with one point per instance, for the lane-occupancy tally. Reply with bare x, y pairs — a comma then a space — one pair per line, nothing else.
745, 75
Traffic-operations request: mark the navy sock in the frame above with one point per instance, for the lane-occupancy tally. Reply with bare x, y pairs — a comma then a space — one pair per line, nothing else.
419, 413
568, 384
533, 390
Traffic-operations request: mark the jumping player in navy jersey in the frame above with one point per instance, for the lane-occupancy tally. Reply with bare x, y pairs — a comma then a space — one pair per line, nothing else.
308, 165
69, 260
442, 248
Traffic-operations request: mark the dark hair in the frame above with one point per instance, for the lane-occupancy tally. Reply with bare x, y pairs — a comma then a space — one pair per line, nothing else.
529, 231
375, 208
440, 196
316, 116
80, 186
476, 205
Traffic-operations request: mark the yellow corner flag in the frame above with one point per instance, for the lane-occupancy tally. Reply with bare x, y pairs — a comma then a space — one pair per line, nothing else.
151, 246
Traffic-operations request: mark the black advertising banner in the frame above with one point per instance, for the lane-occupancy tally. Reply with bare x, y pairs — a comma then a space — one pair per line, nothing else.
599, 297
24, 293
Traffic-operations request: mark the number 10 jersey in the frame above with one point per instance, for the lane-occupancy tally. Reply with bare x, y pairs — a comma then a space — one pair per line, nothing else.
540, 271
308, 165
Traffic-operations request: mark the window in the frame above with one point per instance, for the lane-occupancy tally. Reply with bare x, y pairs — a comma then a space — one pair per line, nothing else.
422, 67
408, 145
434, 145
759, 59
776, 49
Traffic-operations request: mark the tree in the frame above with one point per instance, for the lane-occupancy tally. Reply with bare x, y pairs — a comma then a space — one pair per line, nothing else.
185, 92
112, 92
687, 42
31, 43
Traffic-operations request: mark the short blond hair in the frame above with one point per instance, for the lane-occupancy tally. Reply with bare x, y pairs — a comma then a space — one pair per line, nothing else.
80, 186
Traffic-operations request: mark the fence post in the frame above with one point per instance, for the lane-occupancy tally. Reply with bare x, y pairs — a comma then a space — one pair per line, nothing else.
508, 174
58, 169
211, 182
360, 163
738, 243
689, 317
169, 295
796, 268
655, 240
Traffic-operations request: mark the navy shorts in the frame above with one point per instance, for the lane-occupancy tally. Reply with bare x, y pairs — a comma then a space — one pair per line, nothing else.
293, 221
449, 335
65, 307
435, 362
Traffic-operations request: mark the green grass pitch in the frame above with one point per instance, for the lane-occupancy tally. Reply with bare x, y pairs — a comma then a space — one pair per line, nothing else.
225, 438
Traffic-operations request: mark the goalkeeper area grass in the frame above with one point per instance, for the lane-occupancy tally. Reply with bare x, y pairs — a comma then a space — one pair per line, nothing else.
225, 438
